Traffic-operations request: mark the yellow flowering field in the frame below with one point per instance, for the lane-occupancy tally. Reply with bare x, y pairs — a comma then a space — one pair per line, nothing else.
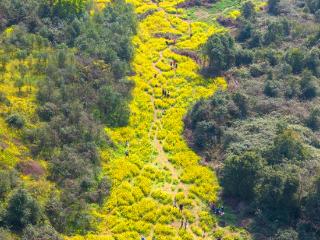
152, 169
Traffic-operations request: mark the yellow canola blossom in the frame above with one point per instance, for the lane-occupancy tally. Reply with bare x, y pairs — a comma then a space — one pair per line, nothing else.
151, 167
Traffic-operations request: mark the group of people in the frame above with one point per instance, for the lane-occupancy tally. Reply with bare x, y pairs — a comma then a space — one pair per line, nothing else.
184, 221
217, 210
173, 64
165, 93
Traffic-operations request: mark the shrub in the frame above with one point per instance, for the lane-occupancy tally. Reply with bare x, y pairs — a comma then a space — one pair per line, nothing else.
256, 40
276, 31
308, 86
243, 57
313, 120
248, 10
15, 120
292, 89
256, 70
7, 182
245, 32
296, 58
22, 210
40, 233
207, 134
271, 88
47, 111
241, 101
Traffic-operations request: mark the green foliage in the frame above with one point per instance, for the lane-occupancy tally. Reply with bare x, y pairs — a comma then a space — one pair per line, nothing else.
15, 121
313, 62
221, 52
296, 58
312, 204
248, 10
276, 31
207, 133
22, 211
313, 5
277, 193
240, 174
115, 111
243, 57
313, 120
208, 118
273, 6
8, 181
113, 43
40, 233
67, 8
276, 70
19, 83
271, 88
308, 85
287, 146
245, 32
47, 111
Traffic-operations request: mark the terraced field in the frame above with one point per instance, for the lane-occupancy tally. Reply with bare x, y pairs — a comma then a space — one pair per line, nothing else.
152, 169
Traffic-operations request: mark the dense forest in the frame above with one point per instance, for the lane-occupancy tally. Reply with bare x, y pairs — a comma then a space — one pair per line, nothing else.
262, 134
160, 120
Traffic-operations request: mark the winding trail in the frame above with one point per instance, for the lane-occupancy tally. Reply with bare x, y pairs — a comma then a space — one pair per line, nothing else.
153, 171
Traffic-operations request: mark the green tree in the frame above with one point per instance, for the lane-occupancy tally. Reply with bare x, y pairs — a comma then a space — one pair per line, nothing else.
313, 120
40, 233
287, 146
220, 51
271, 88
22, 210
240, 174
308, 86
15, 120
273, 7
295, 57
114, 109
207, 133
313, 62
241, 101
68, 9
248, 10
276, 31
277, 193
312, 205
245, 32
243, 57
